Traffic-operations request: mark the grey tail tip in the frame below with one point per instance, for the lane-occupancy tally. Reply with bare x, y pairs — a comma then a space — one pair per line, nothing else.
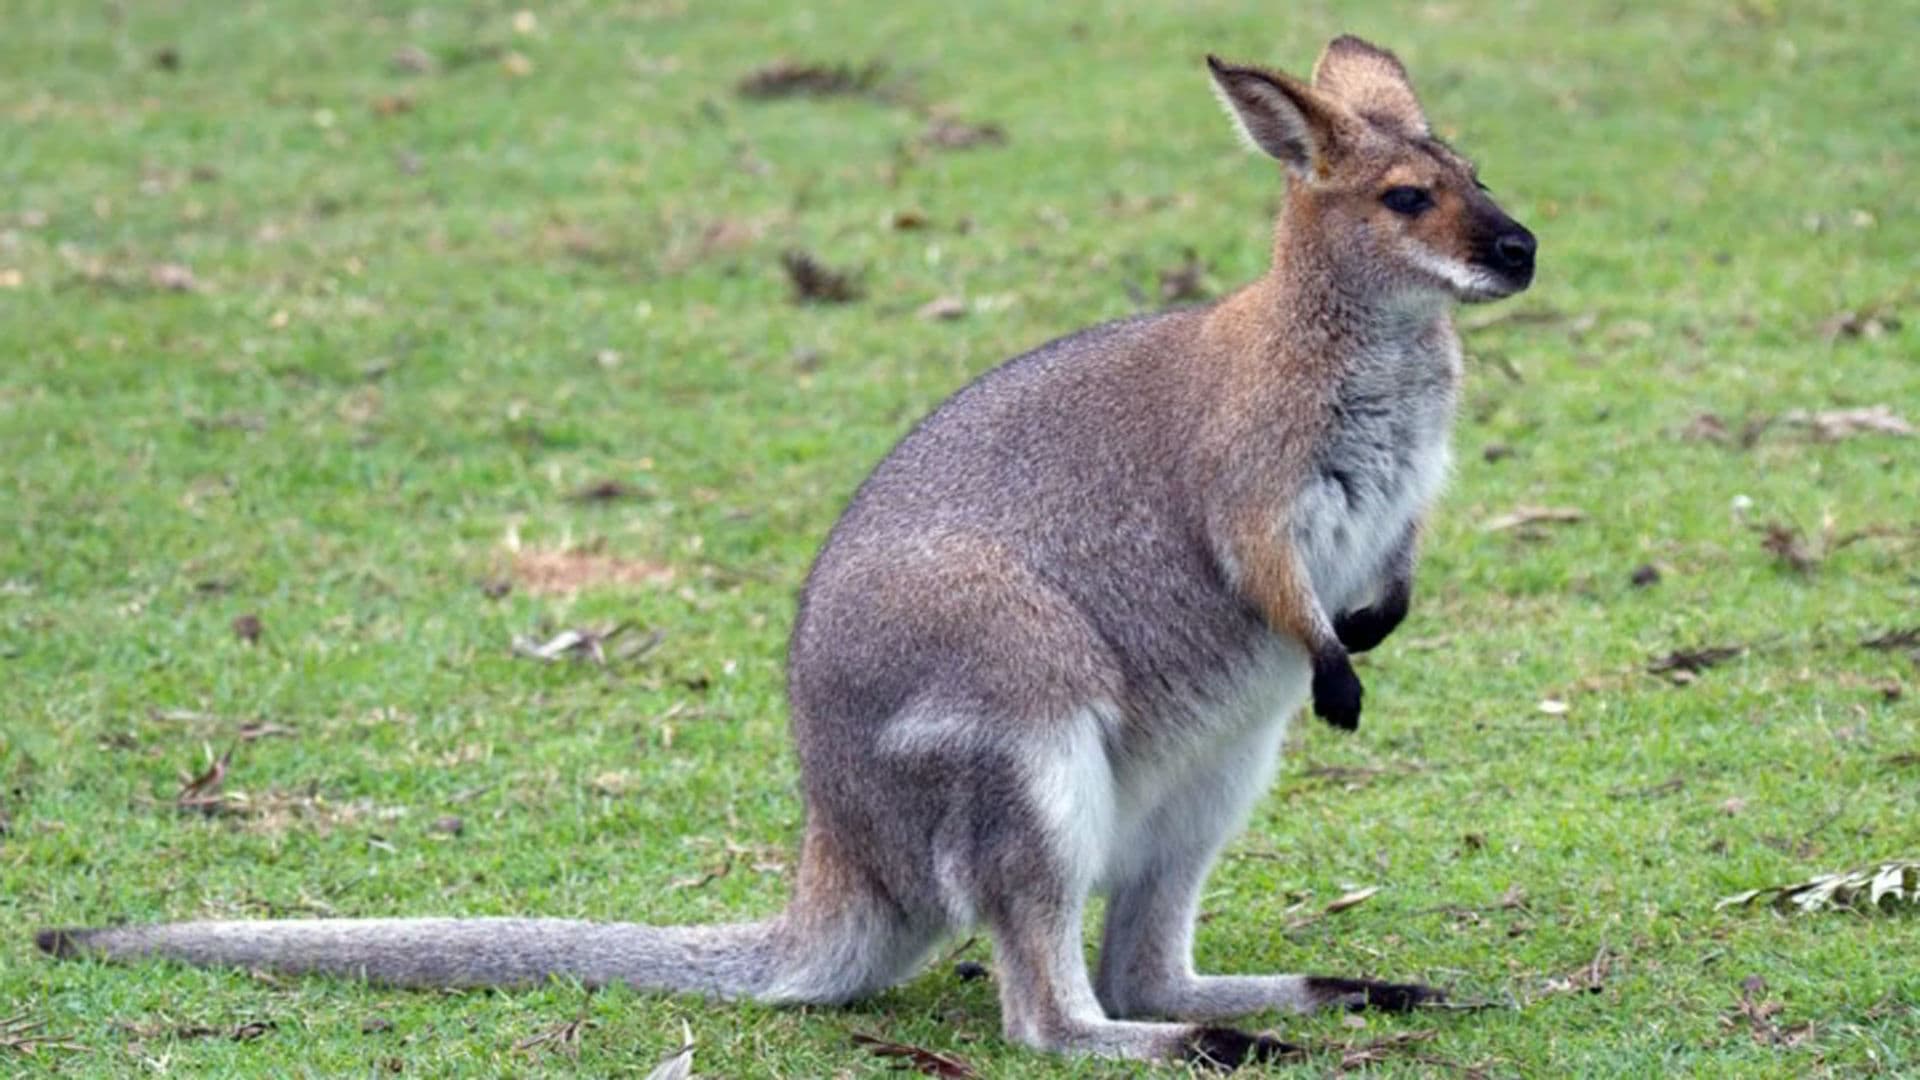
62, 943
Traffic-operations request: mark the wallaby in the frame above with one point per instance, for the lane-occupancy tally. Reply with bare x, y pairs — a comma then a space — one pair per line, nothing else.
1053, 643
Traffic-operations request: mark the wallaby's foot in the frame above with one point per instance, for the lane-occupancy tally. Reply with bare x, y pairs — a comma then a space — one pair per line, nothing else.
1226, 1048
1367, 994
1336, 690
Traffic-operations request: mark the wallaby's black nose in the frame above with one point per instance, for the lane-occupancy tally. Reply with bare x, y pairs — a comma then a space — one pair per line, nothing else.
1515, 249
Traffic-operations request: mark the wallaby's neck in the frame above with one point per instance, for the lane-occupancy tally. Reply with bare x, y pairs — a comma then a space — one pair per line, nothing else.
1314, 307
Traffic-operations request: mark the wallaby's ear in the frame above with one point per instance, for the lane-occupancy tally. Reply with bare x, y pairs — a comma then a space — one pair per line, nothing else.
1278, 114
1372, 82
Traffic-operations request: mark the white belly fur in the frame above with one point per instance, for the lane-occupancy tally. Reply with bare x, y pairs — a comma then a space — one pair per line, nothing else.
1110, 817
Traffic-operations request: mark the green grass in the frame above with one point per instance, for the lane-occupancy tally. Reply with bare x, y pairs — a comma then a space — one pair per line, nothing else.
414, 333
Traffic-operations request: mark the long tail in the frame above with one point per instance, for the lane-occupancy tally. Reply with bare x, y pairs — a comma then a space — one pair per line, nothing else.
839, 939
793, 958
728, 961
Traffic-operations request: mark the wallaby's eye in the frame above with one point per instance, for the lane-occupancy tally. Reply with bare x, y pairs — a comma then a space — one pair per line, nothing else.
1406, 200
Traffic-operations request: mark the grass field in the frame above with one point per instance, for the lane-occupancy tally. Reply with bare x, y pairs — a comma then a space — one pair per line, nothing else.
342, 344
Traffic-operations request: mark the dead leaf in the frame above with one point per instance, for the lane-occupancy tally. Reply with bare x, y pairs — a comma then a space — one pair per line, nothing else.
908, 219
790, 78
391, 104
516, 65
1788, 546
815, 283
1758, 1014
250, 1030
603, 491
449, 825
202, 792
262, 729
949, 133
943, 309
1706, 427
1897, 881
248, 627
1352, 899
1835, 424
1733, 806
1529, 515
1644, 575
914, 1057
1554, 707
1693, 661
588, 643
1864, 323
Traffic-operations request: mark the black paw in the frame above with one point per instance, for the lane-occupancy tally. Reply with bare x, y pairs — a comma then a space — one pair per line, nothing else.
1367, 994
1226, 1048
1362, 630
1336, 691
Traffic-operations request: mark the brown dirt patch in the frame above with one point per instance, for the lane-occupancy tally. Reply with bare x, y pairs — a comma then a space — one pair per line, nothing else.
561, 572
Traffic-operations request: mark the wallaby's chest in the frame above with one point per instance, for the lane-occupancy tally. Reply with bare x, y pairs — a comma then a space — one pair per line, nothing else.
1381, 465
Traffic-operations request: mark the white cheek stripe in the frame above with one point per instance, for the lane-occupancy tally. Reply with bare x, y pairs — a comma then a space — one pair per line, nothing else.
1465, 278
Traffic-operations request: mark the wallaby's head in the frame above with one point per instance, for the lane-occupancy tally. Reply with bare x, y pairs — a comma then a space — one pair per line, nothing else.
1392, 209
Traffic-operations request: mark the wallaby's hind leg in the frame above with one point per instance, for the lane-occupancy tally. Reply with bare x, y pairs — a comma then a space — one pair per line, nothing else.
1047, 1002
1146, 953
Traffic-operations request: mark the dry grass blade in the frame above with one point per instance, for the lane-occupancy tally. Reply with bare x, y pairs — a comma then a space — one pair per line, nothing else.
1880, 887
1590, 977
677, 1065
1375, 1051
1908, 638
564, 1038
1833, 425
590, 643
20, 1034
1533, 515
1352, 899
916, 1058
202, 792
